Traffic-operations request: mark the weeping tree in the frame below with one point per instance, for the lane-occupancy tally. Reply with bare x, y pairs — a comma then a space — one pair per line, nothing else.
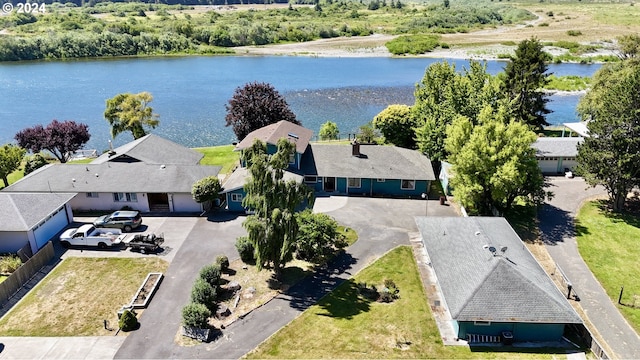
272, 228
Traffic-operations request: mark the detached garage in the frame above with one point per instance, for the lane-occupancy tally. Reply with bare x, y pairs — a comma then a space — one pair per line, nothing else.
32, 219
555, 154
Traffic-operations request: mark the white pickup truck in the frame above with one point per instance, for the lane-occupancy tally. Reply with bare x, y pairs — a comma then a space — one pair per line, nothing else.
89, 235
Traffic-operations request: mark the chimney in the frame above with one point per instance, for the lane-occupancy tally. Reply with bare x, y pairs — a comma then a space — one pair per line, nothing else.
355, 148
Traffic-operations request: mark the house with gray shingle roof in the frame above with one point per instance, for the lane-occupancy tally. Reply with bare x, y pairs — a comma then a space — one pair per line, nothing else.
371, 170
114, 185
29, 220
555, 154
151, 149
354, 169
270, 135
490, 283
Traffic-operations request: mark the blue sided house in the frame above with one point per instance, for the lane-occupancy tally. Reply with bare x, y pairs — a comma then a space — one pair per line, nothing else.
493, 287
347, 169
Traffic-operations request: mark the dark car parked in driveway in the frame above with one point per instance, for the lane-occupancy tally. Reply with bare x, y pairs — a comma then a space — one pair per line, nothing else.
124, 220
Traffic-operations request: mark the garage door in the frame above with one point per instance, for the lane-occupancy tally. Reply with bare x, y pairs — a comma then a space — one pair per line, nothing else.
50, 227
548, 166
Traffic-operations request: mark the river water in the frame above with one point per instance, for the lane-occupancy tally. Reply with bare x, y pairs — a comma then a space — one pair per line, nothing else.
190, 93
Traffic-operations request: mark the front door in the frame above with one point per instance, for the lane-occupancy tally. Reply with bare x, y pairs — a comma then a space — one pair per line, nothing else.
158, 202
329, 184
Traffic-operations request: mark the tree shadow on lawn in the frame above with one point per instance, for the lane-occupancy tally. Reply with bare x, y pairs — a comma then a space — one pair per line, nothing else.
556, 224
313, 287
630, 215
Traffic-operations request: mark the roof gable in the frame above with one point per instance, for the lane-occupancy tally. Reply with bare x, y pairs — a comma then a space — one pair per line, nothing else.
375, 161
23, 211
557, 146
152, 149
241, 175
481, 285
270, 134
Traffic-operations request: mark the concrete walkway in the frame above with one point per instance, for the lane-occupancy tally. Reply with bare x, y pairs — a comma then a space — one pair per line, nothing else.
81, 347
557, 227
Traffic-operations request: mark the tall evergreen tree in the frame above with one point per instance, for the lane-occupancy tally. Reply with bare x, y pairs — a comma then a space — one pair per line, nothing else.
610, 156
525, 76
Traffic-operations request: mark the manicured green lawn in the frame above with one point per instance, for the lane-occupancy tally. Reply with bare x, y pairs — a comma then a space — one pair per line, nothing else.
345, 325
608, 244
220, 155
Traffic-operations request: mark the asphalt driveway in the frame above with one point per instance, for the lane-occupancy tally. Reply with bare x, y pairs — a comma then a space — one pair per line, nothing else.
557, 228
382, 224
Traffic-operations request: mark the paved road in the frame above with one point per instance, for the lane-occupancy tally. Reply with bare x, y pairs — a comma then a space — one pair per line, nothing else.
382, 224
556, 224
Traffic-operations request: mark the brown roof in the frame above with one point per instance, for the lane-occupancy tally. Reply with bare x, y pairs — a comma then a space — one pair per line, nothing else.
270, 134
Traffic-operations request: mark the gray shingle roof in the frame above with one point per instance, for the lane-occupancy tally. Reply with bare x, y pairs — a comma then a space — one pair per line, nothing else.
478, 286
153, 149
557, 146
239, 177
376, 162
113, 177
270, 134
23, 211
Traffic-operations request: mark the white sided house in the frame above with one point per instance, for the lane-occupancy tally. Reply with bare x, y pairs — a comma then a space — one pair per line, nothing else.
114, 185
29, 220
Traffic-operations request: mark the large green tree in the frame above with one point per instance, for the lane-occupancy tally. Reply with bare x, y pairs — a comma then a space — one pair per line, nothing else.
10, 159
60, 138
397, 124
206, 189
443, 95
329, 131
610, 156
525, 77
131, 112
272, 228
493, 163
256, 105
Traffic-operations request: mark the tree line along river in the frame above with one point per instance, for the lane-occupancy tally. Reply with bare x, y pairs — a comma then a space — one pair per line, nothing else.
190, 93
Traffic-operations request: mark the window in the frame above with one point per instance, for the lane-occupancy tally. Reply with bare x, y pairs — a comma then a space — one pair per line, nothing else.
380, 180
354, 182
292, 158
125, 197
236, 197
92, 194
311, 179
408, 185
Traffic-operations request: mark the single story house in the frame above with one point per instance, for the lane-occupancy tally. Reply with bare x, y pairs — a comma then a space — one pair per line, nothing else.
371, 170
114, 185
271, 134
233, 188
555, 154
151, 149
490, 283
29, 220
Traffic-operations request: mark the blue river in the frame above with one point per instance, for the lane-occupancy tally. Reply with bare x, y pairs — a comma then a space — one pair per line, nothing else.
190, 93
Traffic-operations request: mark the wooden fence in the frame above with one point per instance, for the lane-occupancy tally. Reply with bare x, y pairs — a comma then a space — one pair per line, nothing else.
25, 272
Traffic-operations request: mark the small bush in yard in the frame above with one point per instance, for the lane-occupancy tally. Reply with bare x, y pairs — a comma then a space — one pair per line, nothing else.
196, 315
9, 263
128, 321
203, 293
245, 250
223, 261
211, 274
389, 292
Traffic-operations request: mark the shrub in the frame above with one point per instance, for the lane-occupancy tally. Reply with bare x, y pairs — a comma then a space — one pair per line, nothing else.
412, 44
245, 250
544, 24
390, 291
574, 32
33, 163
196, 315
203, 293
211, 274
318, 237
128, 321
223, 262
9, 263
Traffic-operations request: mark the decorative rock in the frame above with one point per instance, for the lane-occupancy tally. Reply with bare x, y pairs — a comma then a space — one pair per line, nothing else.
222, 311
249, 293
251, 290
233, 286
